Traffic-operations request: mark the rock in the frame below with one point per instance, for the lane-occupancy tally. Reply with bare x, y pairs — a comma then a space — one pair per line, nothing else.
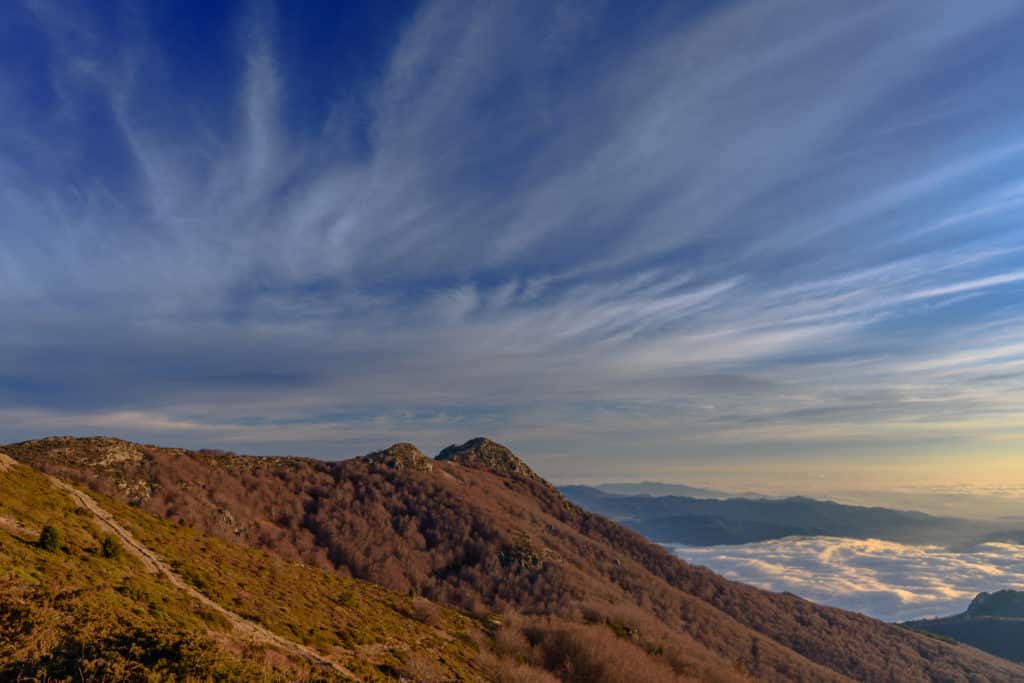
400, 456
486, 454
1004, 603
96, 451
522, 554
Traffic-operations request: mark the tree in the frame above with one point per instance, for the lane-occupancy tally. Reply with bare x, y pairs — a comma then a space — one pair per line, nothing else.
49, 538
111, 548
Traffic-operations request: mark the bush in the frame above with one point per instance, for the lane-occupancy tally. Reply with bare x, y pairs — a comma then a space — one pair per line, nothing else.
421, 667
426, 612
49, 538
111, 548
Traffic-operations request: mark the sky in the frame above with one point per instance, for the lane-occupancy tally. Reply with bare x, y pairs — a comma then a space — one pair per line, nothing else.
765, 245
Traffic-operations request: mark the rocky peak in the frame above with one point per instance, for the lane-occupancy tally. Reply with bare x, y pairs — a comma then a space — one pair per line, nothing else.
1005, 603
489, 455
400, 456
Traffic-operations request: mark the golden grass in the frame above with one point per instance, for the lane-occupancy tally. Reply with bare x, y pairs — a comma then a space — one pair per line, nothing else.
74, 614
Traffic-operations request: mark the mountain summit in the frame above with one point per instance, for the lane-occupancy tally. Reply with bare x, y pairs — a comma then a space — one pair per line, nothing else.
1008, 604
400, 456
559, 593
485, 454
994, 622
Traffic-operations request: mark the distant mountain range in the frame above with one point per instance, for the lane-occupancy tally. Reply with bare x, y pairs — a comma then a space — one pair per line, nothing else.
122, 561
703, 521
654, 488
994, 622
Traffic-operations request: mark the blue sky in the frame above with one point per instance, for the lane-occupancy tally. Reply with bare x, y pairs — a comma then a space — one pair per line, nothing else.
712, 242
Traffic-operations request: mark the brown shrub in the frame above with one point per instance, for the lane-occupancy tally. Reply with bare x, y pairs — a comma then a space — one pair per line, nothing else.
472, 539
426, 612
507, 670
421, 667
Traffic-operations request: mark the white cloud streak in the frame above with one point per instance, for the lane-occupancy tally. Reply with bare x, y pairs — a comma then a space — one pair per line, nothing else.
576, 264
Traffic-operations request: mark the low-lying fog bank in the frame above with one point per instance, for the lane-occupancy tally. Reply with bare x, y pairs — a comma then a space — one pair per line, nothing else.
885, 580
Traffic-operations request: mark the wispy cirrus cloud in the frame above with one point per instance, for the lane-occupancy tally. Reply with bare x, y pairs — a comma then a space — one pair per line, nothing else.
733, 232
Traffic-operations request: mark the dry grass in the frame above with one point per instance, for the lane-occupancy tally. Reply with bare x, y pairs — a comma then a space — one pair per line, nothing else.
77, 612
471, 539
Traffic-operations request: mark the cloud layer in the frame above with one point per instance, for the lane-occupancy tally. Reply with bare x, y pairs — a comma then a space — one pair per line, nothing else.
885, 580
743, 232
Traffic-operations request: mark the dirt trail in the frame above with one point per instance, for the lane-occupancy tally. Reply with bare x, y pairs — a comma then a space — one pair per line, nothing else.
154, 564
13, 526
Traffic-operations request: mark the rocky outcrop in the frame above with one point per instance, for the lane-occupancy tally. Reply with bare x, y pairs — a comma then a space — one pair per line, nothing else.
1005, 603
488, 455
522, 556
93, 451
400, 456
120, 462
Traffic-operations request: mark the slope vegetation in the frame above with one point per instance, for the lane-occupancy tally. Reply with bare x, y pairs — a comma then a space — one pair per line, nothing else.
127, 596
581, 597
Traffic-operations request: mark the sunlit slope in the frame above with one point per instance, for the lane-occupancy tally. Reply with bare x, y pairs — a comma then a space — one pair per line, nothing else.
73, 612
580, 597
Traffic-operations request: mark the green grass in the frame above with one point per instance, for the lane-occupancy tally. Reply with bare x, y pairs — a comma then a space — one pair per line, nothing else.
334, 614
77, 613
70, 614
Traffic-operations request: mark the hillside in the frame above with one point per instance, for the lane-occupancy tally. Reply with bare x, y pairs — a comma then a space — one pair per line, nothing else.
582, 597
655, 488
993, 622
103, 605
708, 521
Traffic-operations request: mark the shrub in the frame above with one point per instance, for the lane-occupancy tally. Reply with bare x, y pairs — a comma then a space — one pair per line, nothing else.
346, 597
111, 548
426, 612
421, 667
49, 538
504, 670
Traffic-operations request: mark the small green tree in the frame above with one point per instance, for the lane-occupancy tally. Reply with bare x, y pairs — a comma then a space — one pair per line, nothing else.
49, 538
111, 548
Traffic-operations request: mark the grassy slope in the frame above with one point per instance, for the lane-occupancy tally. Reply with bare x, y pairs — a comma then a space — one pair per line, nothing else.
597, 594
370, 627
75, 614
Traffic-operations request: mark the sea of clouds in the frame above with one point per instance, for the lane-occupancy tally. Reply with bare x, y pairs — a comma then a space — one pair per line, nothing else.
885, 580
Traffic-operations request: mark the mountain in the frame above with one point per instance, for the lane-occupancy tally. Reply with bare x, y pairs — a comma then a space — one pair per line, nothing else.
117, 594
703, 521
993, 622
653, 488
558, 593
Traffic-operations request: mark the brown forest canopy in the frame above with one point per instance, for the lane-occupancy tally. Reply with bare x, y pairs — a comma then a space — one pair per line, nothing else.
478, 530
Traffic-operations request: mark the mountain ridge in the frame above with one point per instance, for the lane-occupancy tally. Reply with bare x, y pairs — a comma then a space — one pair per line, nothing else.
490, 541
993, 622
483, 453
656, 488
711, 521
